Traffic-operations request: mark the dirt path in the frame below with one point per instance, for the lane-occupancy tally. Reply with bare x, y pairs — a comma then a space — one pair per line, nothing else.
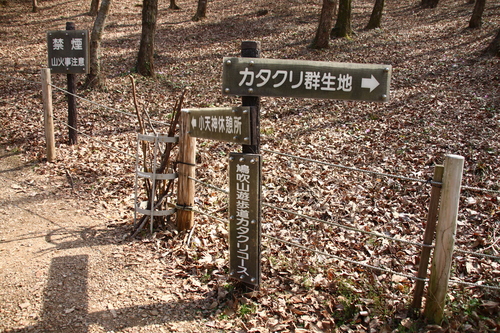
63, 270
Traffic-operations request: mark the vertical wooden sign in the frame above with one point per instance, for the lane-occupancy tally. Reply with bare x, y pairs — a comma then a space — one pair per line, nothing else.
244, 217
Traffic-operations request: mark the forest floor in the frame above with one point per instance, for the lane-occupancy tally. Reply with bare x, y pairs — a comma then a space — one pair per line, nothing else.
67, 264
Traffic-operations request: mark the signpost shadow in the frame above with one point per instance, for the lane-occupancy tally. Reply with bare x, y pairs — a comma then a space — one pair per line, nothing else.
66, 304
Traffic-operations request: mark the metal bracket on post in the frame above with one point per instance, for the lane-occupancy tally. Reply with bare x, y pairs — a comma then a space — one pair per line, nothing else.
153, 176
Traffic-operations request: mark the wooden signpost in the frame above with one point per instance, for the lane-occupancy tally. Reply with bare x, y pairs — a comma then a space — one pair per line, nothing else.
251, 77
307, 79
244, 217
222, 124
68, 53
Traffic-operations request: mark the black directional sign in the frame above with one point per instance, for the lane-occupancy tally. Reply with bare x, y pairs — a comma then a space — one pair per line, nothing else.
244, 217
230, 124
306, 79
68, 51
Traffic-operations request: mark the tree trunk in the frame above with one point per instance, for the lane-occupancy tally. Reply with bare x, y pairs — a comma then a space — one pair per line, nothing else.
94, 79
94, 7
429, 3
145, 58
173, 5
494, 48
201, 12
35, 6
376, 17
343, 25
322, 38
477, 14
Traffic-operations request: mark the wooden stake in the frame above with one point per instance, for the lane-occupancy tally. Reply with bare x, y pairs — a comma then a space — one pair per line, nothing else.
186, 169
430, 228
445, 238
48, 119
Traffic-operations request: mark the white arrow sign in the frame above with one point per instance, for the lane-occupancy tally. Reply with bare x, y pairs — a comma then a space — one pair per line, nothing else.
370, 83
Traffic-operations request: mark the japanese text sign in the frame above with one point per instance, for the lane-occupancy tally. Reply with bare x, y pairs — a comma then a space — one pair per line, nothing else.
230, 124
307, 79
68, 51
244, 217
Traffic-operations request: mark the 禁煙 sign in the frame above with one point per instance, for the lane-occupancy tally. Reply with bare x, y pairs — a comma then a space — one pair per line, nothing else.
68, 51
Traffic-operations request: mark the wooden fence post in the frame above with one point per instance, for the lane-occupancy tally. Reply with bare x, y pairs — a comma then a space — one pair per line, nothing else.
186, 169
445, 238
430, 228
48, 119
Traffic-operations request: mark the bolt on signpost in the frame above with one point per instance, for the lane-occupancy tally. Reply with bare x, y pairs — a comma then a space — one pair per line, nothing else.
252, 77
68, 53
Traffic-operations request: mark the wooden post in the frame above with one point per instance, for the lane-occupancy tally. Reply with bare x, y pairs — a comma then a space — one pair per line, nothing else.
48, 119
445, 238
72, 114
430, 228
186, 169
251, 49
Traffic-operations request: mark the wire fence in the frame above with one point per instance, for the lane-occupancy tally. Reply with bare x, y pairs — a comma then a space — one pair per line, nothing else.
85, 99
374, 234
271, 237
375, 173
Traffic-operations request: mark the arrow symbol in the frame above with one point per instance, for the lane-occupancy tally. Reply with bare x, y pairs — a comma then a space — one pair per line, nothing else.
193, 123
370, 83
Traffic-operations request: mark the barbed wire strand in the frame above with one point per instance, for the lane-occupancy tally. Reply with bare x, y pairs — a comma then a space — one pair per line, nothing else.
86, 99
378, 268
208, 185
477, 189
344, 226
465, 187
469, 284
371, 233
95, 140
84, 134
104, 106
347, 167
319, 220
210, 216
20, 79
478, 254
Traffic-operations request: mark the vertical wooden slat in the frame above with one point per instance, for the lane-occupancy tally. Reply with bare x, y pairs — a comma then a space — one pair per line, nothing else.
48, 119
445, 238
430, 228
186, 169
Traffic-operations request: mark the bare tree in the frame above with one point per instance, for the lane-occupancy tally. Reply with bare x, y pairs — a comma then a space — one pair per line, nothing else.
94, 78
429, 3
94, 7
343, 25
201, 12
376, 17
322, 38
145, 58
173, 5
35, 6
477, 14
